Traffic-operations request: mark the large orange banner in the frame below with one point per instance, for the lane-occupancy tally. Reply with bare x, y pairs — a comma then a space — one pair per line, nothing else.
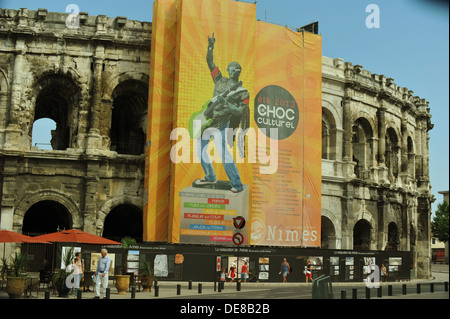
240, 110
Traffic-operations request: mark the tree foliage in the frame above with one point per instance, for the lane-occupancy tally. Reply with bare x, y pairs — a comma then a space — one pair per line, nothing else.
440, 224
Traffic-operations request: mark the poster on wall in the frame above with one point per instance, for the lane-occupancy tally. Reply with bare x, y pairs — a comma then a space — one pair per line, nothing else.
232, 131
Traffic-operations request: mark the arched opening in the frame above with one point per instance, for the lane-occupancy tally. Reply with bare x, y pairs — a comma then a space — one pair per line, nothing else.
58, 99
393, 240
42, 133
361, 235
46, 217
362, 146
328, 234
392, 152
329, 139
129, 117
124, 221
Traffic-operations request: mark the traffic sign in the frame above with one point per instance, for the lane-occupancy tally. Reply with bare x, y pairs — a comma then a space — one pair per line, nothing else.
218, 262
238, 239
239, 222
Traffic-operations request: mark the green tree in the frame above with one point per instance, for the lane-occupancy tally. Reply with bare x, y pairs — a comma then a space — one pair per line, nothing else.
440, 224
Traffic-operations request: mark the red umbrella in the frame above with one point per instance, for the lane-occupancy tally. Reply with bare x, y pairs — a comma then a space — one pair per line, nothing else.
76, 236
7, 236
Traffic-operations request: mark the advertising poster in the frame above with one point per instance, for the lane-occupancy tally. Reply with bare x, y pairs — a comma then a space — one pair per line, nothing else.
214, 73
159, 121
235, 128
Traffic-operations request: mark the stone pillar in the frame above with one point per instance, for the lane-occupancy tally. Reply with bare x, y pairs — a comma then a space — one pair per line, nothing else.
347, 126
16, 136
90, 200
94, 137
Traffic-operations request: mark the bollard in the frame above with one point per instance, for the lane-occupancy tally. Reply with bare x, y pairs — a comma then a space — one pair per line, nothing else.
79, 294
47, 295
390, 290
133, 292
220, 287
343, 294
222, 283
446, 286
431, 287
108, 293
178, 289
418, 288
367, 293
404, 289
156, 291
215, 285
190, 285
380, 292
238, 286
354, 293
199, 288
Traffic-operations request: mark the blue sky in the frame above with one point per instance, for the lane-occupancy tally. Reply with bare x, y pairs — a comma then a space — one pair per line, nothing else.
410, 46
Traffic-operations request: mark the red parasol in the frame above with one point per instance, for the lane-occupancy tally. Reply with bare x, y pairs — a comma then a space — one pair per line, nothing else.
7, 236
76, 236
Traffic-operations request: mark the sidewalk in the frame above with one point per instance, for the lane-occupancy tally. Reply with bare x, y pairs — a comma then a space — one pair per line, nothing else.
168, 289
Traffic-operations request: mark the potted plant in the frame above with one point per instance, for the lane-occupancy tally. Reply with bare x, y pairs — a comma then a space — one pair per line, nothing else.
60, 277
123, 280
147, 276
15, 284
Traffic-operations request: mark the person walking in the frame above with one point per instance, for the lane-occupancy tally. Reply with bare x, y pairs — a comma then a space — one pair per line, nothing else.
232, 274
285, 269
383, 273
101, 274
223, 275
244, 272
78, 271
308, 271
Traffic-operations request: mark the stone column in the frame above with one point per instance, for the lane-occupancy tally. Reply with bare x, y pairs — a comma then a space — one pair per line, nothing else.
382, 135
94, 137
16, 132
347, 126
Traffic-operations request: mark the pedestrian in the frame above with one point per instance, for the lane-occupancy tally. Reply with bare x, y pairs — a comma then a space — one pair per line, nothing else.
285, 269
383, 273
232, 274
223, 275
244, 272
308, 271
101, 274
78, 271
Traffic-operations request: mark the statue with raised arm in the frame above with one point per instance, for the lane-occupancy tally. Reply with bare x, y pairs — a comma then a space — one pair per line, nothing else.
226, 111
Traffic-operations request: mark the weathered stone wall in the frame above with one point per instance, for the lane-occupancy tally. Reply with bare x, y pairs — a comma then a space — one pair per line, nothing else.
74, 77
375, 165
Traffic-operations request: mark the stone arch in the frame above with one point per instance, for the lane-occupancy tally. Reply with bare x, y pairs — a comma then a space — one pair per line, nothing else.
330, 122
129, 117
109, 205
393, 234
122, 77
366, 241
58, 95
46, 195
331, 230
362, 145
392, 155
4, 87
411, 156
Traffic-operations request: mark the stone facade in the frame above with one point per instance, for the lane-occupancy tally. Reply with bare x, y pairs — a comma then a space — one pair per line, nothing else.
376, 191
93, 82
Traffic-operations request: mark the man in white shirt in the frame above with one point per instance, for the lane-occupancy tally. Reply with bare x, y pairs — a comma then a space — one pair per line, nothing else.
101, 274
